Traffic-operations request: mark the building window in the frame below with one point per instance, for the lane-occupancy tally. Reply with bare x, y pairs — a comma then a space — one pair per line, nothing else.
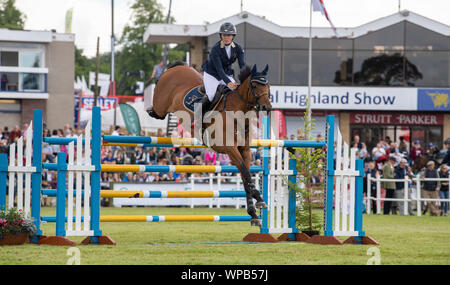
383, 68
31, 81
433, 66
389, 38
263, 57
30, 59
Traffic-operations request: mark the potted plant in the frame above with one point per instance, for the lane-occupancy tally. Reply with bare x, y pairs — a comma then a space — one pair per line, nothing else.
310, 164
14, 228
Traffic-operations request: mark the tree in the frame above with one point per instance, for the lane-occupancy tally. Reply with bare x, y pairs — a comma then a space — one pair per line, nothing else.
135, 54
10, 16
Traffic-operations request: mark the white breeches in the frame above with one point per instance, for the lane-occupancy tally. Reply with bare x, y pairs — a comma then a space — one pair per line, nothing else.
211, 84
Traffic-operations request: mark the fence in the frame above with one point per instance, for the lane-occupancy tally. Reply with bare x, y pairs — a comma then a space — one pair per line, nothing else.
409, 195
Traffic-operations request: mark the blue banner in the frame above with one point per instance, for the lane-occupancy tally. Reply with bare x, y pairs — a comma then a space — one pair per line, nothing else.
433, 99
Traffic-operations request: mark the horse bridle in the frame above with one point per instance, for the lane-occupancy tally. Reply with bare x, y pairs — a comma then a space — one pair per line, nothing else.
256, 106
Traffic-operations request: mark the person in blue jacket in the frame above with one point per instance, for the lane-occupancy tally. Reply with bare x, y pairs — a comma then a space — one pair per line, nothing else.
218, 68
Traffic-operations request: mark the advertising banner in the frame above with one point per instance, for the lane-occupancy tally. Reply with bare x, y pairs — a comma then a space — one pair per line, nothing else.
345, 98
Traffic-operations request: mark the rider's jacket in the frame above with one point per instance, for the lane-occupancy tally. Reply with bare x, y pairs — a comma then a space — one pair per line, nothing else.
219, 64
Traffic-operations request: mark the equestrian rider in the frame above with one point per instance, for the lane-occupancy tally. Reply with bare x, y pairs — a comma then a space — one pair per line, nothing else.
218, 68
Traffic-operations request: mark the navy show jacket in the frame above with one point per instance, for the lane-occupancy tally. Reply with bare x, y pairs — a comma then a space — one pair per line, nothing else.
219, 65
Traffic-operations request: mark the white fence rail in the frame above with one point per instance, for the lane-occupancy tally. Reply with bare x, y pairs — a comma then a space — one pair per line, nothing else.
411, 193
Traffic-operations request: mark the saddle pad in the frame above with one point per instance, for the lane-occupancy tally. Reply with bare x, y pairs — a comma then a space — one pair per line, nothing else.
195, 95
192, 97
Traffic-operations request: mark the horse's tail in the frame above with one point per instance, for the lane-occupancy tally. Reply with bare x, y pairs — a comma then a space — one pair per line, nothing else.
176, 63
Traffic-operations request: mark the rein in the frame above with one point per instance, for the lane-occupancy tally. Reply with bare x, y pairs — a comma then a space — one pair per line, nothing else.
246, 101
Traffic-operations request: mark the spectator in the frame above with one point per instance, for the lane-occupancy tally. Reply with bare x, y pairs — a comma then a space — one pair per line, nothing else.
443, 192
5, 132
402, 146
378, 151
401, 171
363, 153
4, 145
447, 155
416, 150
23, 132
388, 173
373, 184
357, 142
109, 159
210, 157
432, 152
14, 134
224, 159
47, 153
141, 156
430, 188
129, 177
388, 140
152, 156
157, 71
116, 131
4, 82
120, 159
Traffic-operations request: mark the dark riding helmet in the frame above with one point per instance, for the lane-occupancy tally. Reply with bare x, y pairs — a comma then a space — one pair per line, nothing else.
227, 29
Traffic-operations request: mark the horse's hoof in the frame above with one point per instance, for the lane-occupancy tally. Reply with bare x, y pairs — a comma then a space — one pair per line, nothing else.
256, 222
261, 205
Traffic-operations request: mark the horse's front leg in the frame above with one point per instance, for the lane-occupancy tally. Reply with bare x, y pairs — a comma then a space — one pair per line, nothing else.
255, 194
238, 161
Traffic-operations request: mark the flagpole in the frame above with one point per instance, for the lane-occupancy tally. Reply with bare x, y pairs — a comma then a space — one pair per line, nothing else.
308, 106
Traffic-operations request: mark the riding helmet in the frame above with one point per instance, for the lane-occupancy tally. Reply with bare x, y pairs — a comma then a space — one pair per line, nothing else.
227, 28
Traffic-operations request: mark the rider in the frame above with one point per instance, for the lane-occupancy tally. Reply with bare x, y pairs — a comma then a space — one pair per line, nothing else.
218, 68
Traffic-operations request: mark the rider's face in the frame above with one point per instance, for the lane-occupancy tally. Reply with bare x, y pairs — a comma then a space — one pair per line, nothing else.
227, 39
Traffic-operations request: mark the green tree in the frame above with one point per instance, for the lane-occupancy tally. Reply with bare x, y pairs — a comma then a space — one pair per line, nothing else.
134, 53
10, 16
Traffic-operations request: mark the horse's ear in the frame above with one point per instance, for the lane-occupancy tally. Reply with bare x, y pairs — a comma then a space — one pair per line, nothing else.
253, 71
265, 69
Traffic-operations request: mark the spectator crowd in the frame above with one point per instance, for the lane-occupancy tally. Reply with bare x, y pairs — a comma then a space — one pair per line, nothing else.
392, 160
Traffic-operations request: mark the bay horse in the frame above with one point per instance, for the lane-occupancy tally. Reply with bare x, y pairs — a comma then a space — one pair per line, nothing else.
251, 95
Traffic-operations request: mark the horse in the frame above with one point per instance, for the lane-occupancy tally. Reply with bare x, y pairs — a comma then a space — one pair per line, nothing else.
251, 95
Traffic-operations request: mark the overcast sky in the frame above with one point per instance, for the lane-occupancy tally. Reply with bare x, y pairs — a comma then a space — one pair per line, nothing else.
92, 18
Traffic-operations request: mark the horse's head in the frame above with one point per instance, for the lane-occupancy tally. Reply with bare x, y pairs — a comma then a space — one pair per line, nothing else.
258, 89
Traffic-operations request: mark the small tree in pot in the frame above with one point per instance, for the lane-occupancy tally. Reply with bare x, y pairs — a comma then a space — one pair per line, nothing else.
310, 163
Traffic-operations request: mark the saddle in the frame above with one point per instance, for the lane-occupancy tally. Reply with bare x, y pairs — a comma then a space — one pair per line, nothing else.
196, 94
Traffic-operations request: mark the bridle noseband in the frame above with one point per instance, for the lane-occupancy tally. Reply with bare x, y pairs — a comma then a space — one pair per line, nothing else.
251, 89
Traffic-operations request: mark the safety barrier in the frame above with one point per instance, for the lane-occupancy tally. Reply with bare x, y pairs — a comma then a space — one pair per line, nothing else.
83, 216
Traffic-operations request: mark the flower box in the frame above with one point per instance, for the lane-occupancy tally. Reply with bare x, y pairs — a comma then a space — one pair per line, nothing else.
14, 239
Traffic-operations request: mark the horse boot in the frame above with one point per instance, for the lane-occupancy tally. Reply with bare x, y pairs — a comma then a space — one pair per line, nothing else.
255, 194
251, 210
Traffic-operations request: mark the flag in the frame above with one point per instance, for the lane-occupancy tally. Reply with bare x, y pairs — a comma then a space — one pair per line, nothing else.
318, 6
68, 26
131, 119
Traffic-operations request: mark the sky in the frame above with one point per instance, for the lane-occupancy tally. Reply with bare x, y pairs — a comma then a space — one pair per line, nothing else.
92, 18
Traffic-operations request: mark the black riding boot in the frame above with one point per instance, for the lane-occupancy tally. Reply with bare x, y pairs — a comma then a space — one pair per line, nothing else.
198, 117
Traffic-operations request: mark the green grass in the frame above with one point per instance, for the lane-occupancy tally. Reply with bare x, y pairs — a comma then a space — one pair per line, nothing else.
403, 240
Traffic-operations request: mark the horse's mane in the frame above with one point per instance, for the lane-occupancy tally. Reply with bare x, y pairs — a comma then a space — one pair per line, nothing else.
244, 73
176, 63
